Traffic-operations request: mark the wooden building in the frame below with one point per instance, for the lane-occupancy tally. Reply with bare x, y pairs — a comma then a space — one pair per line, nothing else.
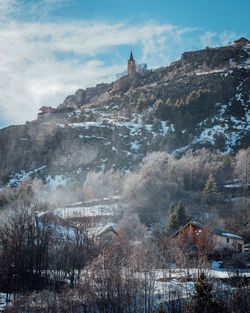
210, 237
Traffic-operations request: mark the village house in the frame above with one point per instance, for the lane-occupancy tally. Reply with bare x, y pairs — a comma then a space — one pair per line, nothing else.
49, 217
104, 233
216, 238
242, 41
96, 232
44, 110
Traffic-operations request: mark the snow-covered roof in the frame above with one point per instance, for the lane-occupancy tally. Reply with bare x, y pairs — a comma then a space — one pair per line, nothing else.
102, 229
196, 223
225, 233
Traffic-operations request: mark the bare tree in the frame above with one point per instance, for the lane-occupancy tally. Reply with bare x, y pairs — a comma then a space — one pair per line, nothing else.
242, 166
24, 247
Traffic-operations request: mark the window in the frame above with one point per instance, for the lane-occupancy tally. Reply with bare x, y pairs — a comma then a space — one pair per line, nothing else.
227, 239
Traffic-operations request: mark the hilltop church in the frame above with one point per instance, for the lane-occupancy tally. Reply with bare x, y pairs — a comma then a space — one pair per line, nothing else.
131, 64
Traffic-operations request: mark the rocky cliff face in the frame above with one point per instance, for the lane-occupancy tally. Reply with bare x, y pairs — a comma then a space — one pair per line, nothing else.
202, 100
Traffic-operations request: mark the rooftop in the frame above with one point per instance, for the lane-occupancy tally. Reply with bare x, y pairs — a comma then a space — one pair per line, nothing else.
215, 230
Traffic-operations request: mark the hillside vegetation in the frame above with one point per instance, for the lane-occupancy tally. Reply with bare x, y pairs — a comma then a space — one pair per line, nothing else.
141, 157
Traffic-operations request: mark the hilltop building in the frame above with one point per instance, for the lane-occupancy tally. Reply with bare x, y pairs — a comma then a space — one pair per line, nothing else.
242, 41
131, 65
45, 109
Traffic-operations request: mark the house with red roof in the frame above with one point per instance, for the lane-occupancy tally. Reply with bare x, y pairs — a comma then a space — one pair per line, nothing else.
242, 41
45, 109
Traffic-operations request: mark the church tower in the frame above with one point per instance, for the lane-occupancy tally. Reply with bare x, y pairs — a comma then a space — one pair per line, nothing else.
131, 64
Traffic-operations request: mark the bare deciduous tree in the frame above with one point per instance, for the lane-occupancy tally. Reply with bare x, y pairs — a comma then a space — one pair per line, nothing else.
242, 166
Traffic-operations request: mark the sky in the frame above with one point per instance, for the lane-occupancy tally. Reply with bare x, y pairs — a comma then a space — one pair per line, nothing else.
51, 48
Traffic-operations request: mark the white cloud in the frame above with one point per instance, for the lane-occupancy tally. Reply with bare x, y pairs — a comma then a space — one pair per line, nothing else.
213, 39
6, 6
41, 62
228, 37
208, 39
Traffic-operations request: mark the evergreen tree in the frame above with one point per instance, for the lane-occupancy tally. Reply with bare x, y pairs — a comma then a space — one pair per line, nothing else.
141, 102
203, 300
177, 217
159, 108
171, 208
210, 187
210, 190
182, 217
240, 299
172, 223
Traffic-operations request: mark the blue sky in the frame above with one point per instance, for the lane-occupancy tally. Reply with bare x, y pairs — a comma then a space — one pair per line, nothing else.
50, 48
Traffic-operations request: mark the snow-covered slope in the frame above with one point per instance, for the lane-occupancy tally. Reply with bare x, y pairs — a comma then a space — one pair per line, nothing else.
113, 126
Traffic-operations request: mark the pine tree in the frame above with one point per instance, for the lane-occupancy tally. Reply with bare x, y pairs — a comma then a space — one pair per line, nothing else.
172, 224
202, 299
182, 217
210, 187
210, 190
141, 102
171, 208
177, 217
239, 299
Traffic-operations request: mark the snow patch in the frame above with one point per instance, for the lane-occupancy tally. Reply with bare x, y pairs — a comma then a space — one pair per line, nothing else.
135, 145
56, 181
91, 137
18, 177
90, 211
211, 71
165, 128
231, 235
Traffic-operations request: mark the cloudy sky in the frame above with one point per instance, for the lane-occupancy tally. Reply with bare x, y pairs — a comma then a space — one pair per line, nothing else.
51, 48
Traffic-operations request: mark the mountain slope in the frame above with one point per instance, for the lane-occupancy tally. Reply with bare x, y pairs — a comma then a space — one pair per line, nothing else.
202, 100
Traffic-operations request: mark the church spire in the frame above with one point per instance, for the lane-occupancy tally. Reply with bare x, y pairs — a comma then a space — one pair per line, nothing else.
131, 64
131, 56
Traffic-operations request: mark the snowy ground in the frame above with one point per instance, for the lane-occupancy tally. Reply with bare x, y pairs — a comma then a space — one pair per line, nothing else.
18, 177
90, 211
171, 285
213, 272
229, 127
169, 288
3, 300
